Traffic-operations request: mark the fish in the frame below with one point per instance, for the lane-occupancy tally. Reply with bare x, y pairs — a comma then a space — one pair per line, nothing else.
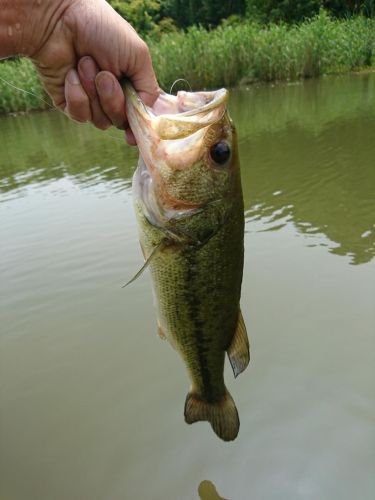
189, 207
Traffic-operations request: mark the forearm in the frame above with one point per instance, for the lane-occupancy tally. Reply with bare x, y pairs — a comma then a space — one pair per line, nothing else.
26, 24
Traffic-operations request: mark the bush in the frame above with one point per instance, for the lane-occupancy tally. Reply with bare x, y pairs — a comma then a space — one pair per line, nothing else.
271, 11
291, 11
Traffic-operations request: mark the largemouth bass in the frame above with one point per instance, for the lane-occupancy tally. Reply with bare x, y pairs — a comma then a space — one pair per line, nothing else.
189, 206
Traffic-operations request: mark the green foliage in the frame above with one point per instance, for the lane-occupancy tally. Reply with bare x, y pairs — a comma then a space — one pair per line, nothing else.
250, 52
166, 25
20, 73
290, 11
345, 8
210, 13
143, 15
270, 11
152, 16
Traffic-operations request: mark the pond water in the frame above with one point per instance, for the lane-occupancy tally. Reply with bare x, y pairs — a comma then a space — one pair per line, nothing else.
91, 400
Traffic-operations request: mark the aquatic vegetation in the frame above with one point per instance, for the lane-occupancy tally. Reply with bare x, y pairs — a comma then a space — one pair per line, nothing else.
234, 54
248, 52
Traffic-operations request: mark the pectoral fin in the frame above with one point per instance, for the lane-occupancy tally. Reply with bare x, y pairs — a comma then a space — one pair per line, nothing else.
149, 259
238, 351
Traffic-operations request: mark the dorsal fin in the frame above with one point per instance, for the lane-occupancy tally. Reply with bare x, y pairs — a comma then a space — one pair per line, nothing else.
238, 351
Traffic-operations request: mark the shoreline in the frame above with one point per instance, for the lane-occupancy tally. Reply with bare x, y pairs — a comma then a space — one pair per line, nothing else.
240, 86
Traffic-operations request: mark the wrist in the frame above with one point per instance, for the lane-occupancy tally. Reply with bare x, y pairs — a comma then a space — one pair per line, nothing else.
25, 25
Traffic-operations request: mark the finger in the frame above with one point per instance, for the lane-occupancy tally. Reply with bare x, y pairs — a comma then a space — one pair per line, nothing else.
87, 71
111, 98
143, 76
77, 101
130, 138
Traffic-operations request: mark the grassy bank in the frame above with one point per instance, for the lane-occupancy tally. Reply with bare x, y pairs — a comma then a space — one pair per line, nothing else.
23, 75
231, 55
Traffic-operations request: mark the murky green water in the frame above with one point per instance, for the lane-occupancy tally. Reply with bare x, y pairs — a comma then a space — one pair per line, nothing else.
92, 400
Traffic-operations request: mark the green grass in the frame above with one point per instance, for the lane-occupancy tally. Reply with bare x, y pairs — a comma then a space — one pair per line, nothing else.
232, 55
20, 73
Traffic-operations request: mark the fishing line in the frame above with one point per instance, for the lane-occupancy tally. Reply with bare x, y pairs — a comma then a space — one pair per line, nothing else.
180, 80
26, 92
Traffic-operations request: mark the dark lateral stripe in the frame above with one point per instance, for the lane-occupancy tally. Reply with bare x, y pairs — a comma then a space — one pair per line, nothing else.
193, 302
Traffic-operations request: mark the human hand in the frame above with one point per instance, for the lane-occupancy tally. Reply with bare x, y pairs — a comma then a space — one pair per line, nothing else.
81, 56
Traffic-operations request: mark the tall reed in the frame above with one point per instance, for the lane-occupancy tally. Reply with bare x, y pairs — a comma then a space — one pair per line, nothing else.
250, 52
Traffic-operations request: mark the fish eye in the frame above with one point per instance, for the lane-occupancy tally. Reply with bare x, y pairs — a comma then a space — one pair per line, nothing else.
220, 152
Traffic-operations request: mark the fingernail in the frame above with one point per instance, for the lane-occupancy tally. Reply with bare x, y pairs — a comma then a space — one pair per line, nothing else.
105, 84
87, 66
73, 77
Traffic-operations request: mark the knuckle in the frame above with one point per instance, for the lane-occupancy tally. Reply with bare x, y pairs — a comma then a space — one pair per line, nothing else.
143, 51
75, 117
115, 115
78, 107
78, 101
99, 118
77, 113
102, 124
114, 108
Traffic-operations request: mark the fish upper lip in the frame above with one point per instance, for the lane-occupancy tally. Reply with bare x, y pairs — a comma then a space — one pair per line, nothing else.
167, 120
219, 97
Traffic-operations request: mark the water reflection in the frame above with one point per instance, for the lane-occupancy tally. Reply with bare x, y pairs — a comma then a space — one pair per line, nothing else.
307, 155
323, 183
43, 147
207, 491
308, 159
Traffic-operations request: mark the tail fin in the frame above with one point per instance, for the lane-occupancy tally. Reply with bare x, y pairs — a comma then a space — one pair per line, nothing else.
222, 415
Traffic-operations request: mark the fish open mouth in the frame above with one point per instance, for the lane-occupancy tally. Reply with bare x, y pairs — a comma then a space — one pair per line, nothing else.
189, 103
174, 117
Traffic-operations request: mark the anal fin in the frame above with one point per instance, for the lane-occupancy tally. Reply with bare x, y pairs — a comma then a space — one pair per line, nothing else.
161, 332
239, 351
